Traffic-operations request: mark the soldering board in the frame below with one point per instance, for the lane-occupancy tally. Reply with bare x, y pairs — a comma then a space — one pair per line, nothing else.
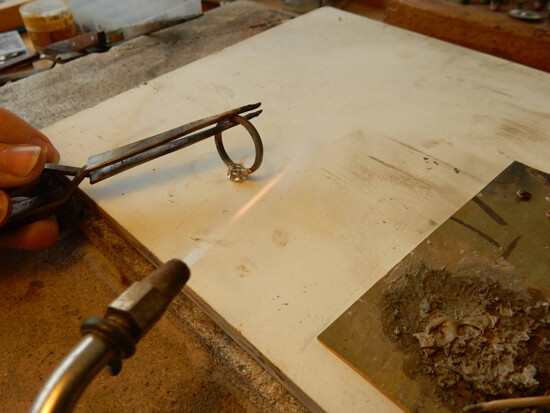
373, 137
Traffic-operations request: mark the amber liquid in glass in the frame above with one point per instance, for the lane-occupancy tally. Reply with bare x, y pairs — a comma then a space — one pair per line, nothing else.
50, 29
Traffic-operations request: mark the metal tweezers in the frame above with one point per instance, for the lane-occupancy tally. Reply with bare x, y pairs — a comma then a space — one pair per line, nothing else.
39, 200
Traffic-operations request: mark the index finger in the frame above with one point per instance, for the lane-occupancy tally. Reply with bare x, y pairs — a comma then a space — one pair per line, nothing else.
14, 130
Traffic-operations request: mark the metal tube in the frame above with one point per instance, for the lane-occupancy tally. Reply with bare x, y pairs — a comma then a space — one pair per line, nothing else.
78, 368
108, 340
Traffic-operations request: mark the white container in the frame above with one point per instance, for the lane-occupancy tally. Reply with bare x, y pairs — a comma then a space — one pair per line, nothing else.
97, 15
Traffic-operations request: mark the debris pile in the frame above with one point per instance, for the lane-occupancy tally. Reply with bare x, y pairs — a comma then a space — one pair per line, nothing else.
469, 336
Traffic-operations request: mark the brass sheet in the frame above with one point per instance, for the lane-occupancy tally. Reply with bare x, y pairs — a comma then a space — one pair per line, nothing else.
495, 233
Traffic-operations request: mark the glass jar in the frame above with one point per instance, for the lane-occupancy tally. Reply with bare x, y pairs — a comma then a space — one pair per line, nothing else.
48, 21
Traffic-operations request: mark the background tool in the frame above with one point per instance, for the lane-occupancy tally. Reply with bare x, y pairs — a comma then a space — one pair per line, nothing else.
70, 49
101, 41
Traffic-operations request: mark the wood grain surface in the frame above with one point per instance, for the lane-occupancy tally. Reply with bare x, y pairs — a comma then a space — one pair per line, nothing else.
10, 19
476, 27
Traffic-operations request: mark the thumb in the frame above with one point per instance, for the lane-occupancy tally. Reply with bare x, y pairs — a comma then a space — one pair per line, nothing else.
20, 164
5, 207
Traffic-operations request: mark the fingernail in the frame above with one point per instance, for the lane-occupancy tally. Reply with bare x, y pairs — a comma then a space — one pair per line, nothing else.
5, 209
52, 155
55, 158
19, 160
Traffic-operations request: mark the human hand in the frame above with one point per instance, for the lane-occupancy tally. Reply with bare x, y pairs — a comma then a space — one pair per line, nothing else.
23, 153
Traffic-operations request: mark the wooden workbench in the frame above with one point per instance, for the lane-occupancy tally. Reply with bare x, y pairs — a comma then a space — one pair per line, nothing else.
476, 27
10, 19
371, 133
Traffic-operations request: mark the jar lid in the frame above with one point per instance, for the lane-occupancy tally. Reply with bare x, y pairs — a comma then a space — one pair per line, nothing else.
43, 8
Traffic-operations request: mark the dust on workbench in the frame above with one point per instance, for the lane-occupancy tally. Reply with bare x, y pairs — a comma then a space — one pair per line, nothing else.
473, 335
45, 297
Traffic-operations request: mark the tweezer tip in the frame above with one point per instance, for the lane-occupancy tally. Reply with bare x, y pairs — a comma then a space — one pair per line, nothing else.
252, 115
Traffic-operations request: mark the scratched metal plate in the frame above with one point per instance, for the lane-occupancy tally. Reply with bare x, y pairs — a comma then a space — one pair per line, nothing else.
494, 227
